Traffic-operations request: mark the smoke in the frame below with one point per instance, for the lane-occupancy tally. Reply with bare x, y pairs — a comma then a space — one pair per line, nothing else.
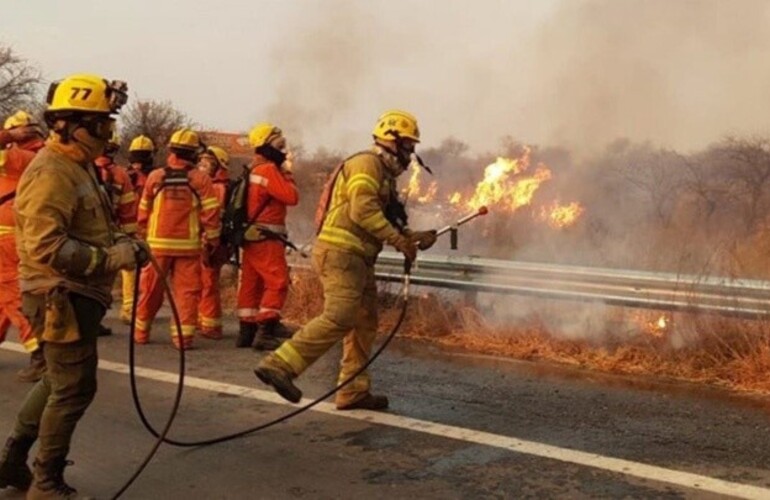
680, 74
321, 71
564, 73
619, 97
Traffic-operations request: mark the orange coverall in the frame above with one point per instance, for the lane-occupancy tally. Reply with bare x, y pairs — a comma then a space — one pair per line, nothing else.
264, 273
210, 312
13, 161
177, 219
124, 203
121, 193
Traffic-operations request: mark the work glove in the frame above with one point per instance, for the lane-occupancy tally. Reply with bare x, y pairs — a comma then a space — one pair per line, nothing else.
220, 255
423, 239
121, 255
209, 253
142, 252
406, 247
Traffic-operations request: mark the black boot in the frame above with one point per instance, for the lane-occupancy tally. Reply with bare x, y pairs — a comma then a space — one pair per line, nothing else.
14, 471
268, 339
49, 481
246, 334
281, 382
36, 368
104, 331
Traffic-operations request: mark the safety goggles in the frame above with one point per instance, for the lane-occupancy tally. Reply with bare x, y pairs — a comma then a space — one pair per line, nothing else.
100, 127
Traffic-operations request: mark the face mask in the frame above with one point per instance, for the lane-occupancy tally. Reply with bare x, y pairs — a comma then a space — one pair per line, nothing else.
272, 154
92, 147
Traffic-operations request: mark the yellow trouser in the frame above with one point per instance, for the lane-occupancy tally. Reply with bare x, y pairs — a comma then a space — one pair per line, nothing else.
350, 313
128, 278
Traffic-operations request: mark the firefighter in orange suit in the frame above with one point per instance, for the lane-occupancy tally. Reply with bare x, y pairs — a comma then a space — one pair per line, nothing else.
141, 154
214, 163
358, 213
123, 201
20, 139
179, 214
264, 275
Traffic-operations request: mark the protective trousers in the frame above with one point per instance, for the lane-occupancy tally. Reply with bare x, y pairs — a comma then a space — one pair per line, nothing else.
56, 403
128, 279
264, 281
10, 296
185, 276
350, 313
210, 311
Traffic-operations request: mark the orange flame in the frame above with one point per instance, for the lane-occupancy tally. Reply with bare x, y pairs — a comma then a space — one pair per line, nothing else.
561, 216
506, 185
653, 326
414, 191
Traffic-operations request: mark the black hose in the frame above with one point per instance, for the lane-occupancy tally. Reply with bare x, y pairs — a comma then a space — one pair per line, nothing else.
132, 370
161, 436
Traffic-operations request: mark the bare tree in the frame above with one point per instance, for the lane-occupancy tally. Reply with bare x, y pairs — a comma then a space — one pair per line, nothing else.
19, 82
155, 119
743, 168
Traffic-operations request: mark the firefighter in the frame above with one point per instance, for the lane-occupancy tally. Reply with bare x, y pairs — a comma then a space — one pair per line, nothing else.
69, 252
141, 153
20, 139
214, 163
359, 212
140, 156
264, 280
124, 202
179, 214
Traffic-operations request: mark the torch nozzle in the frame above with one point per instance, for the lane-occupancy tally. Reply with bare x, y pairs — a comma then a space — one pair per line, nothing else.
481, 211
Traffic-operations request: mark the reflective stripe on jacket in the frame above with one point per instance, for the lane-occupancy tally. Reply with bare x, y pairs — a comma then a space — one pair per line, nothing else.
356, 219
176, 217
271, 191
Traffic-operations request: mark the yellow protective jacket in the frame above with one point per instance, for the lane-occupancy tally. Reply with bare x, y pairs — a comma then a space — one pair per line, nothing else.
63, 225
355, 220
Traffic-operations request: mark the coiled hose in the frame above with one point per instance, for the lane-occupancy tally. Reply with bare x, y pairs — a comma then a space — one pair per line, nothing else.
161, 437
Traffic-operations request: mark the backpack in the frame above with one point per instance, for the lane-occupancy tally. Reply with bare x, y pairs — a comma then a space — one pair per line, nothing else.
323, 207
173, 178
235, 220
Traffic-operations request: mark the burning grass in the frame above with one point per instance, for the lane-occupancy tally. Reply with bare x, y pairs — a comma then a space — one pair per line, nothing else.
705, 349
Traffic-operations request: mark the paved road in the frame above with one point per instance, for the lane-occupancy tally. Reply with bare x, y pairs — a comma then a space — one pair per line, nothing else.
460, 427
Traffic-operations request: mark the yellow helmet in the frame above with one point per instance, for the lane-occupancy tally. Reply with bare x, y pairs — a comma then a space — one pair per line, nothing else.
18, 119
263, 133
220, 154
87, 94
185, 139
141, 143
396, 123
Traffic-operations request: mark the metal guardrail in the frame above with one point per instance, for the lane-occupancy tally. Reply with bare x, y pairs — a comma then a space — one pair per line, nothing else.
640, 289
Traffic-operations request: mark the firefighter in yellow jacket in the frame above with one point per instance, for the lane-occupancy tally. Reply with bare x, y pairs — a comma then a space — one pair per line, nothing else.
69, 254
358, 216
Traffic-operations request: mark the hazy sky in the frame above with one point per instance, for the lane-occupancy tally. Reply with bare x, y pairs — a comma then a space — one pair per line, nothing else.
571, 72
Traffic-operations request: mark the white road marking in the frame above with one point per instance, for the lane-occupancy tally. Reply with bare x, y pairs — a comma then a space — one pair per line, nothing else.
616, 465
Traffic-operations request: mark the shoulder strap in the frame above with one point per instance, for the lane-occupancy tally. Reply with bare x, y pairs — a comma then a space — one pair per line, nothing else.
173, 178
7, 197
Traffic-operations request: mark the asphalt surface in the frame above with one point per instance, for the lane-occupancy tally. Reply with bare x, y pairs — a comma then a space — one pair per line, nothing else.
327, 455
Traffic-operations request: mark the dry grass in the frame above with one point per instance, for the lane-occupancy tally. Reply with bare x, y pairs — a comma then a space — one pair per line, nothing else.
706, 349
